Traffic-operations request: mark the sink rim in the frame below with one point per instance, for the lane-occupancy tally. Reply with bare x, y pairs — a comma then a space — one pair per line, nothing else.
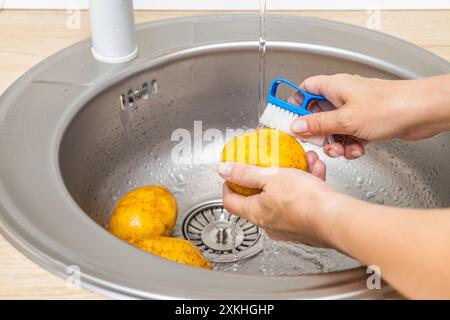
95, 91
92, 282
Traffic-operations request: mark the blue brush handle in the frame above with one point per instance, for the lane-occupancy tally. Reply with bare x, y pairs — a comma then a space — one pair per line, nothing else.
302, 110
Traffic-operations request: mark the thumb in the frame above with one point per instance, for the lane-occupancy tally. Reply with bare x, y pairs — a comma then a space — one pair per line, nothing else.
243, 174
320, 124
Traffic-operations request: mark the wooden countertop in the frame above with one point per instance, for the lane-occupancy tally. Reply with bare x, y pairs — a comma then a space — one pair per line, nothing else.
27, 37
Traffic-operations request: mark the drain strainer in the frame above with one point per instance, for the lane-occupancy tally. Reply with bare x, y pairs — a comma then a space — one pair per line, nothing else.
210, 227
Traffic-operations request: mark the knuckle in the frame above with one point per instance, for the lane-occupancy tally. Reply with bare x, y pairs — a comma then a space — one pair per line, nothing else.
315, 124
245, 176
346, 121
343, 76
237, 173
309, 80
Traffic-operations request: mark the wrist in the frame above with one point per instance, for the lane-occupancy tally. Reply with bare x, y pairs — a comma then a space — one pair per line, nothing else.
335, 214
437, 111
428, 103
408, 100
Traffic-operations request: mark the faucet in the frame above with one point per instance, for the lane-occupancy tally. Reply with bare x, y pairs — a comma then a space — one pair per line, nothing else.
112, 29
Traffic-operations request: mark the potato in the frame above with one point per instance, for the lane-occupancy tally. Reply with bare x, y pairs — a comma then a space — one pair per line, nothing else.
174, 249
144, 212
264, 148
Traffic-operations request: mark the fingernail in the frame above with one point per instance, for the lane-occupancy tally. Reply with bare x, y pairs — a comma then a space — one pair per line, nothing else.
356, 153
299, 126
224, 169
332, 153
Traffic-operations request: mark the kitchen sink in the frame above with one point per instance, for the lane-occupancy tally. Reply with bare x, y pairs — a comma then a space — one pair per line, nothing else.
77, 134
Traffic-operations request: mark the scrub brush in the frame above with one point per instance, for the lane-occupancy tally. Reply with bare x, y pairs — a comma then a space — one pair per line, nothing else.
280, 114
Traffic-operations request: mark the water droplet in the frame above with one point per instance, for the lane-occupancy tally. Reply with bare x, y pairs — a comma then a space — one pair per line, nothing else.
370, 195
180, 178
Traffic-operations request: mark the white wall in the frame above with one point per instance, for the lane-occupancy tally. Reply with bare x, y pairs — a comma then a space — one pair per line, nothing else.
239, 4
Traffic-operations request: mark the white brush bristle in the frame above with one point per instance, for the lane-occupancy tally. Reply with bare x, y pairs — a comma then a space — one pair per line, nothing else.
281, 119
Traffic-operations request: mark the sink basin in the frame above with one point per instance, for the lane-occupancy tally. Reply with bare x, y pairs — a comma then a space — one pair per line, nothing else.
77, 134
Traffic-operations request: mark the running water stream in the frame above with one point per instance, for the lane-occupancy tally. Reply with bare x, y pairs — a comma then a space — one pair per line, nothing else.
270, 246
261, 107
262, 57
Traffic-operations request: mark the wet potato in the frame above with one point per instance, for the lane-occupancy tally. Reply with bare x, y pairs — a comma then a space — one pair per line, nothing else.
144, 212
264, 148
145, 217
178, 250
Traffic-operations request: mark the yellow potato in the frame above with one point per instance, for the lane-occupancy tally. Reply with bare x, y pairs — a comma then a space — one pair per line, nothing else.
174, 249
144, 212
264, 148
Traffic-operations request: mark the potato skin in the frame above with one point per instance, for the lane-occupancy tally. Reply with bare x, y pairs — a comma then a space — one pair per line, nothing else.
147, 211
178, 250
265, 148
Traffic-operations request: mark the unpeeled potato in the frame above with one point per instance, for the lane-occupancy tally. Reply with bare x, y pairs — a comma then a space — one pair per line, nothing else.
144, 217
144, 212
265, 148
174, 249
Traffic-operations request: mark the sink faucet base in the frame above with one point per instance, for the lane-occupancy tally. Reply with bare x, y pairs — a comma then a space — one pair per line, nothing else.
113, 35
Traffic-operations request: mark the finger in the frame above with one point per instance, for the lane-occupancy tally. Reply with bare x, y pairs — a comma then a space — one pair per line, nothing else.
296, 99
316, 166
354, 150
325, 105
334, 88
314, 107
316, 85
238, 205
311, 157
243, 174
319, 169
334, 150
320, 124
313, 85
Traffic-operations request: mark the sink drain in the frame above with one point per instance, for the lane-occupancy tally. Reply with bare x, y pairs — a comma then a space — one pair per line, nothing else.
210, 227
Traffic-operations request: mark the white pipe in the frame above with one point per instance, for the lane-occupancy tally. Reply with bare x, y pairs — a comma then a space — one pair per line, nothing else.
112, 28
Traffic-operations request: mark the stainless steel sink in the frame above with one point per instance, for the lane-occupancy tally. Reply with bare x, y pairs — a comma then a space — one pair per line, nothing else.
77, 134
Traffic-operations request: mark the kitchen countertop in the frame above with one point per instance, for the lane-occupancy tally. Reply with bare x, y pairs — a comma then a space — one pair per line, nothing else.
27, 37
